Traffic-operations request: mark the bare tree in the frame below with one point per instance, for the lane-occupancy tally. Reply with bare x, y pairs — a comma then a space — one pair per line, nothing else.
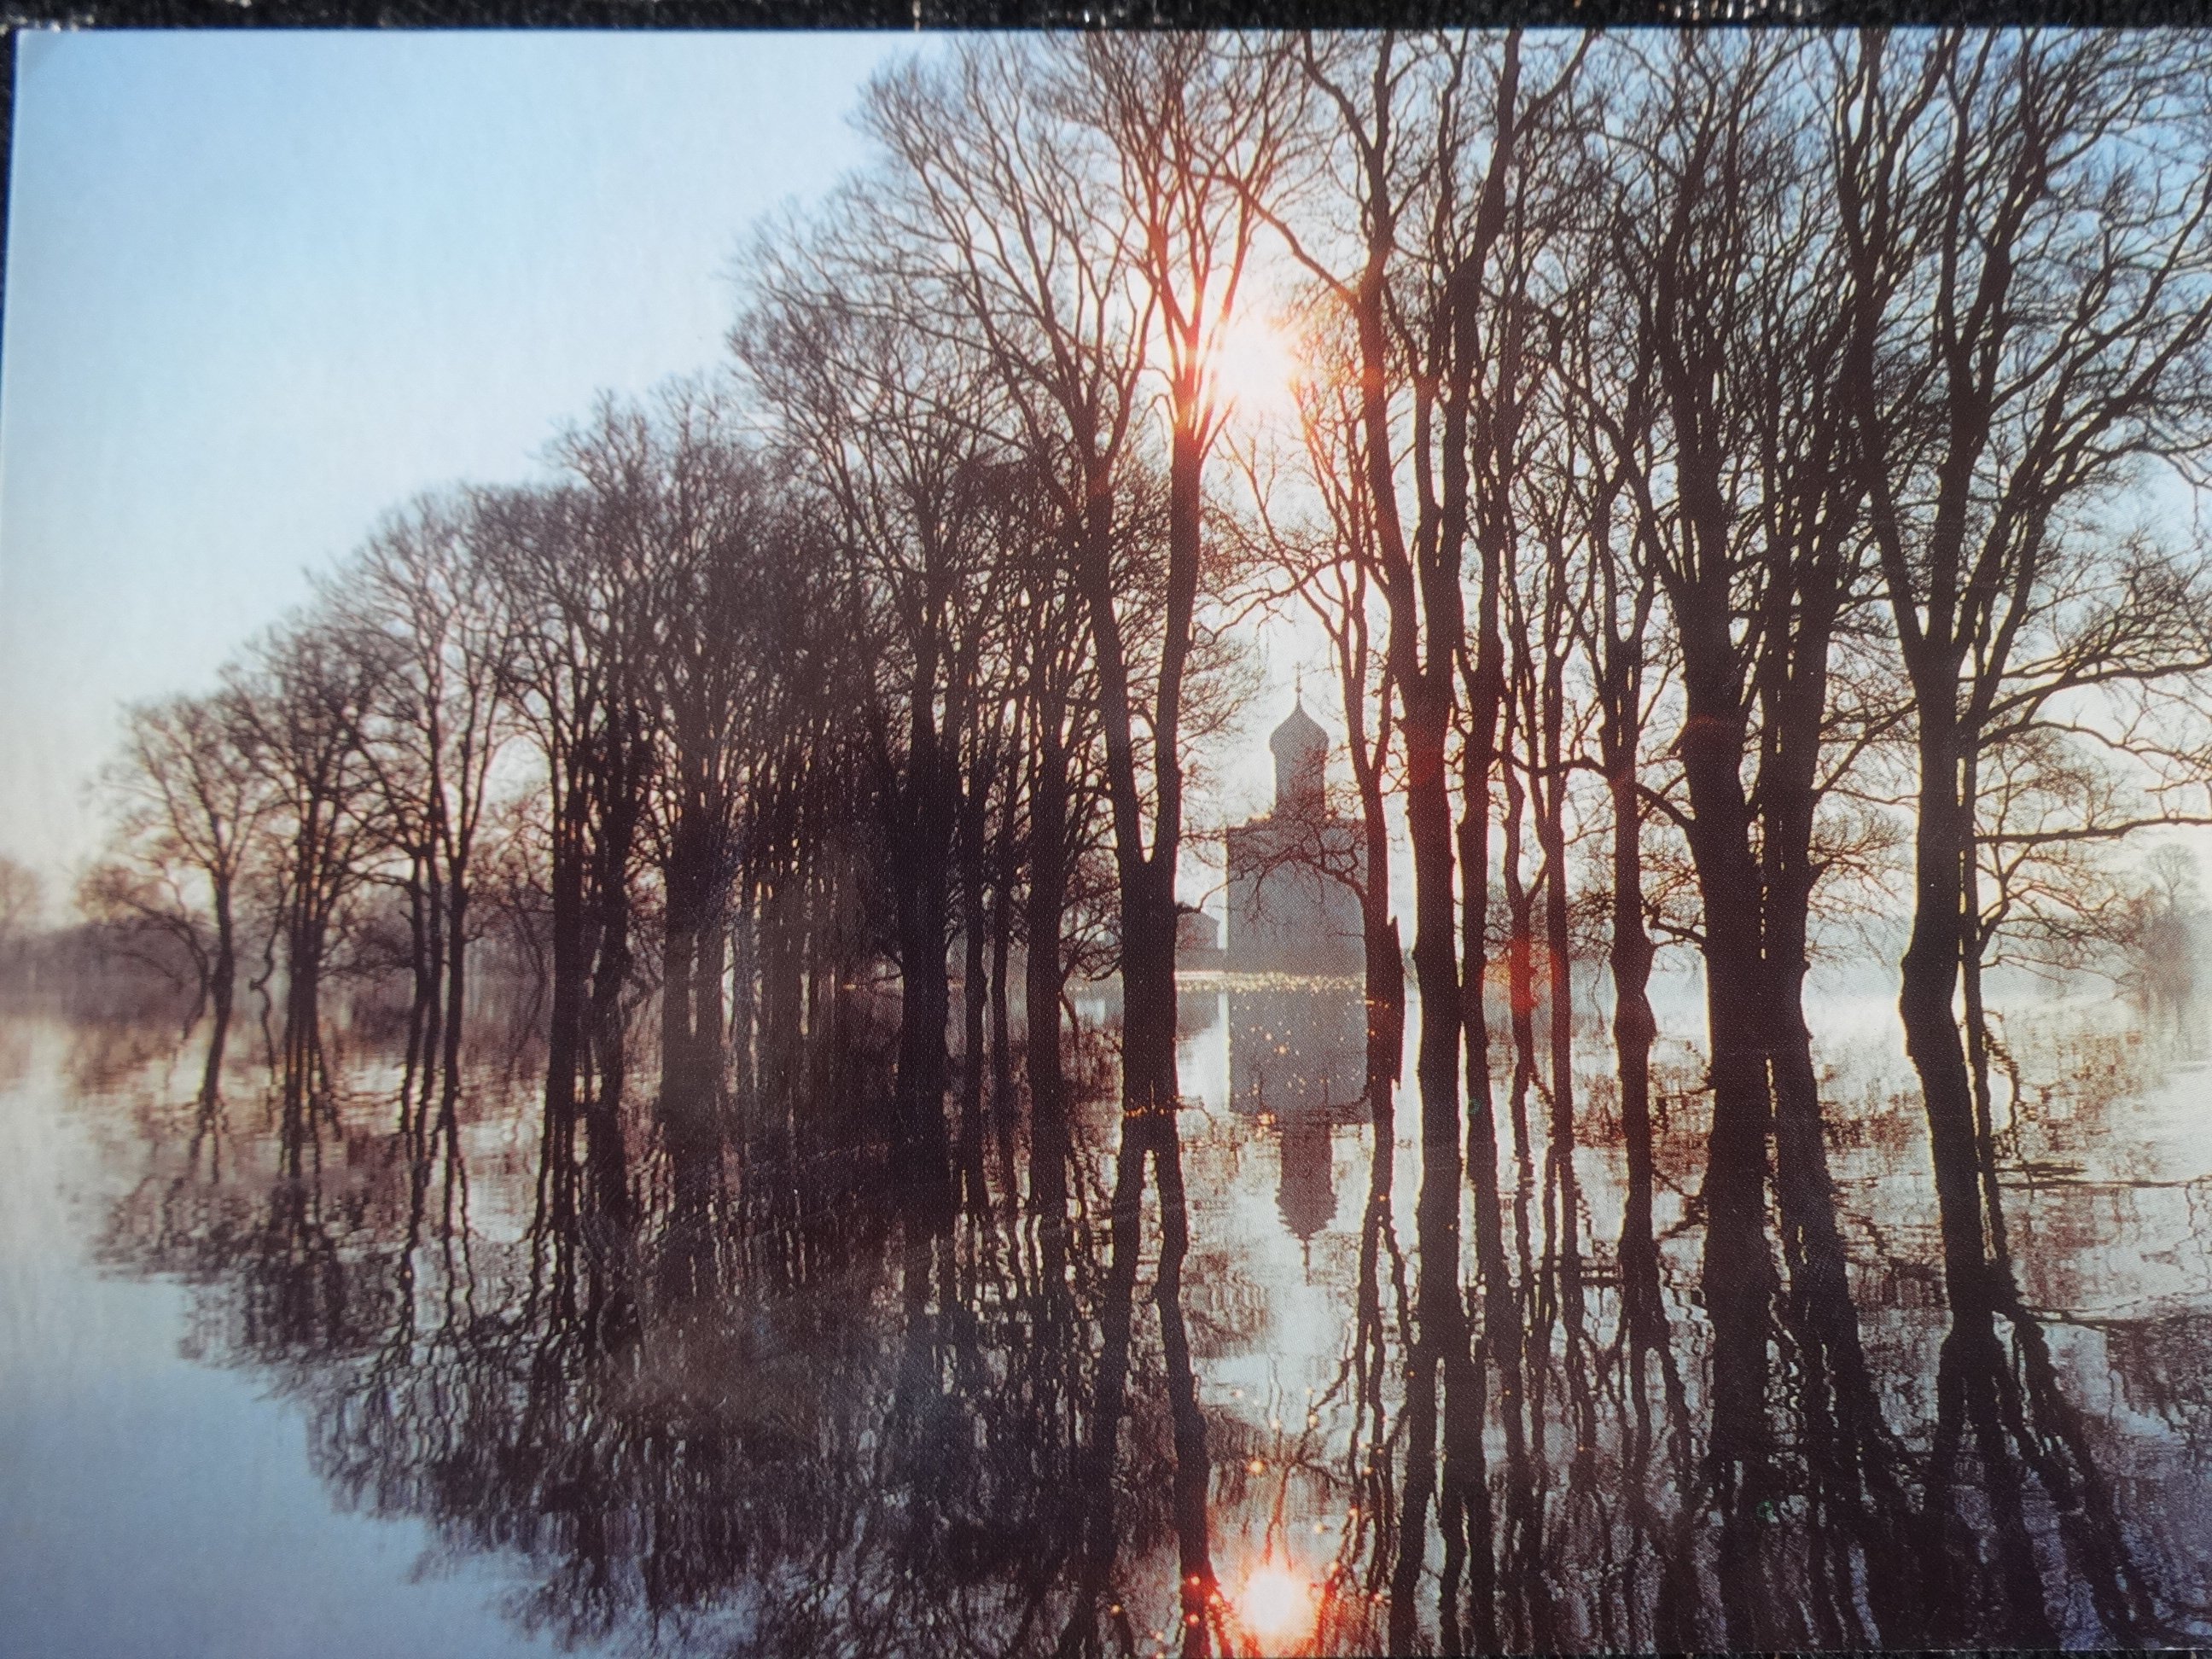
733, 642
891, 423
987, 192
23, 900
2027, 217
1604, 397
433, 610
1753, 522
1188, 134
568, 563
301, 703
188, 801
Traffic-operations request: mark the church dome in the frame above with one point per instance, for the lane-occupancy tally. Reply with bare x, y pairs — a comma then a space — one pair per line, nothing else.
1301, 751
1305, 1196
1299, 733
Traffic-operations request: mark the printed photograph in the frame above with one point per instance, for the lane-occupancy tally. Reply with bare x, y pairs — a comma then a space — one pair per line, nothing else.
1109, 844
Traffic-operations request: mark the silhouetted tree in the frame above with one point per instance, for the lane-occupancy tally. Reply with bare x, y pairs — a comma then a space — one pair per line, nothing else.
433, 611
188, 801
2033, 327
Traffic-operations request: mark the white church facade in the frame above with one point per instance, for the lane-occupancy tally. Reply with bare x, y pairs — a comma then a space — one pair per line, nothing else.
1295, 872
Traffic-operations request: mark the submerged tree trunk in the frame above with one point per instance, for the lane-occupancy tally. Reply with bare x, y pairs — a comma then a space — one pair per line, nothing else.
611, 974
1435, 950
1384, 954
1002, 933
1635, 1029
1738, 1269
1558, 1023
1941, 843
974, 994
1045, 902
922, 829
223, 973
744, 996
691, 1060
1974, 941
678, 947
565, 1029
457, 959
918, 1138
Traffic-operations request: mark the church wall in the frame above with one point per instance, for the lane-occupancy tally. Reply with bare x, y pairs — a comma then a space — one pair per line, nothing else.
1287, 915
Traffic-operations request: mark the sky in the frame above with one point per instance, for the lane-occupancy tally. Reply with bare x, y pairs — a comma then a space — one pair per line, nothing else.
262, 286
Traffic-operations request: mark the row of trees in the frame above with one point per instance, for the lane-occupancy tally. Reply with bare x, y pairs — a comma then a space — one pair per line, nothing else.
1718, 462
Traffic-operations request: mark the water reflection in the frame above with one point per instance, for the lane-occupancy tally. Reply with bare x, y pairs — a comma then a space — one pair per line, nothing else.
1298, 1066
1270, 1377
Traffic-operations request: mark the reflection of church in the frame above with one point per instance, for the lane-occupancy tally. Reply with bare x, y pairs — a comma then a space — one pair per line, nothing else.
1298, 1058
1294, 874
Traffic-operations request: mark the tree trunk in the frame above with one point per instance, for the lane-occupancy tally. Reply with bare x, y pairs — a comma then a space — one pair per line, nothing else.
1559, 1022
1435, 952
678, 947
1384, 955
1738, 1271
919, 1138
1931, 976
1041, 989
1151, 1086
1634, 1027
743, 996
710, 975
565, 1027
975, 998
435, 956
222, 976
1973, 941
1002, 932
457, 962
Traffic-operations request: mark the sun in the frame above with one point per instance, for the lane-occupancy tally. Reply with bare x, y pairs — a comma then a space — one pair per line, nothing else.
1253, 366
1276, 1605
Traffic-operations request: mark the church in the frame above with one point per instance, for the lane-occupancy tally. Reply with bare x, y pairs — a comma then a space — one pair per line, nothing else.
1295, 872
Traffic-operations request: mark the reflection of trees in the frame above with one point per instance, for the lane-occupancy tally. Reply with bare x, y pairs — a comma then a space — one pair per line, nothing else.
864, 1448
1589, 1433
758, 1409
2018, 1486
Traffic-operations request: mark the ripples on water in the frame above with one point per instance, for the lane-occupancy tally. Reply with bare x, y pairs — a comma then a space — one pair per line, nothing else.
745, 1408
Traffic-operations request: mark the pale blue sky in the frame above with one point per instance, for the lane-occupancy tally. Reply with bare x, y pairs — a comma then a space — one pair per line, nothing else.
261, 287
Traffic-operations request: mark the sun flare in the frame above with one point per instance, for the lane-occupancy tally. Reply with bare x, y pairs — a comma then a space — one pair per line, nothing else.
1276, 1604
1254, 366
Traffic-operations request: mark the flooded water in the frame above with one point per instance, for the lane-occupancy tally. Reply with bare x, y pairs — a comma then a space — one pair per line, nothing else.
358, 1367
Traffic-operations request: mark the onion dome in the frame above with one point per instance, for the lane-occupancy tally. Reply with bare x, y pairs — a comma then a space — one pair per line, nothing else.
1301, 751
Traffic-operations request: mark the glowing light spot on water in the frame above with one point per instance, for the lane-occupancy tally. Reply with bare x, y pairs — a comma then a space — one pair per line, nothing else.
1276, 1605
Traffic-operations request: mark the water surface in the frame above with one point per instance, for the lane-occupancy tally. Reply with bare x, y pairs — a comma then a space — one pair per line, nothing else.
351, 1364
